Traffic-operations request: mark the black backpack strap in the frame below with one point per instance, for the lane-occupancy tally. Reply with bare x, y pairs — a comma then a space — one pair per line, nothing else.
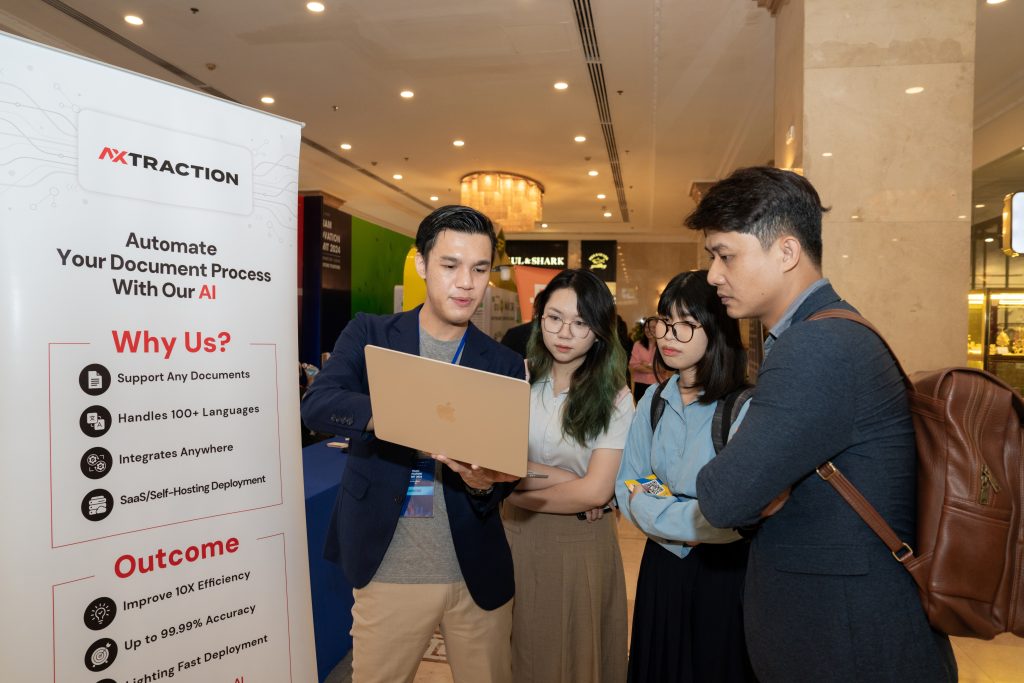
726, 411
657, 405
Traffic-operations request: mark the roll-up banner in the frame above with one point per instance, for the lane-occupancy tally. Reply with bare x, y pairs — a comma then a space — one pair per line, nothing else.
151, 489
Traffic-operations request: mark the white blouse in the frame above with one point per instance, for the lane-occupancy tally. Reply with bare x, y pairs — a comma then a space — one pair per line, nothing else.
549, 446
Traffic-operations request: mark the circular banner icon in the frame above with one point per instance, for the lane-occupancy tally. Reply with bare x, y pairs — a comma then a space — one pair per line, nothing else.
96, 463
100, 613
97, 504
94, 379
95, 421
100, 654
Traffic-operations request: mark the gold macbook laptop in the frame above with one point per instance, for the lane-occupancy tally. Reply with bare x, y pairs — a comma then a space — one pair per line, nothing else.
436, 407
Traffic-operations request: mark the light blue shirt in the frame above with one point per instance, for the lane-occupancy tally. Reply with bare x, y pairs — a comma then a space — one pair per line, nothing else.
677, 450
787, 318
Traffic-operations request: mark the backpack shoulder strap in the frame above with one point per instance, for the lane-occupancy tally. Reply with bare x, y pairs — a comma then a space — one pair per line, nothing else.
657, 405
900, 550
726, 411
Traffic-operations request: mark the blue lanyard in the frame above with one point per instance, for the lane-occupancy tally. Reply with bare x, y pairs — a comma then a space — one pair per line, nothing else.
462, 345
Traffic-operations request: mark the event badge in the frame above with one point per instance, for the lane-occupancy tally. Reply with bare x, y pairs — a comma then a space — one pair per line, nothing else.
419, 498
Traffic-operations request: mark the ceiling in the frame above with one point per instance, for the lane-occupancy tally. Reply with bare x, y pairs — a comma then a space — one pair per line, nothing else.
685, 87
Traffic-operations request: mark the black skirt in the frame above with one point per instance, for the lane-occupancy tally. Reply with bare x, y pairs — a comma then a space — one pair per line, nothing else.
688, 617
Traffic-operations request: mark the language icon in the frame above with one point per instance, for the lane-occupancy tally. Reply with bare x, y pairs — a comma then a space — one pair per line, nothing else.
95, 421
94, 379
97, 504
100, 613
96, 463
100, 654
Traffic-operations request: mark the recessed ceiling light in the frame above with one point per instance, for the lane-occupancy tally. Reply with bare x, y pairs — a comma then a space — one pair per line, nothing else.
591, 173
995, 2
979, 206
267, 99
407, 94
846, 256
607, 214
990, 239
580, 138
914, 90
543, 225
433, 197
345, 146
315, 6
854, 217
826, 154
561, 85
601, 196
458, 143
133, 20
397, 176
961, 217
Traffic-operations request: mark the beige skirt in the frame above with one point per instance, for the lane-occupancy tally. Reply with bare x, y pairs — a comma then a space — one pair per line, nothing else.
569, 615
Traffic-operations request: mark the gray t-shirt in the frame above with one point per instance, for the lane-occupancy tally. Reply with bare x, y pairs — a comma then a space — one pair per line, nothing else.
421, 550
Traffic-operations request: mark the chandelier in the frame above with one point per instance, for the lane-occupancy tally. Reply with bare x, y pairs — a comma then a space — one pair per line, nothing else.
514, 202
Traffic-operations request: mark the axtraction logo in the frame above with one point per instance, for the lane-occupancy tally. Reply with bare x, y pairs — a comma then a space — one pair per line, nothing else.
165, 166
127, 158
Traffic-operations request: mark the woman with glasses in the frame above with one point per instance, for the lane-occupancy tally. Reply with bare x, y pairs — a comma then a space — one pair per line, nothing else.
569, 618
687, 619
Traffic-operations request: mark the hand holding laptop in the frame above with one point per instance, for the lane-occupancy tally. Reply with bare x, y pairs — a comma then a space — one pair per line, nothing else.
476, 477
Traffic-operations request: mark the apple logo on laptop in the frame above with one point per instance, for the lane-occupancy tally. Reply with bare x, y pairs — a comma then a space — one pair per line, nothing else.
446, 411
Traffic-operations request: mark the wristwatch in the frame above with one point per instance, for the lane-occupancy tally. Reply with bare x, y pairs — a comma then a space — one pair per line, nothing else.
479, 492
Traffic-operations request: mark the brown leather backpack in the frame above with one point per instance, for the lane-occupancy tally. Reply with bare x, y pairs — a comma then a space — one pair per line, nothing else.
969, 557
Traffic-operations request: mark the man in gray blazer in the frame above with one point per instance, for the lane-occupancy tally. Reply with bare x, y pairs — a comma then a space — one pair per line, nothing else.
825, 600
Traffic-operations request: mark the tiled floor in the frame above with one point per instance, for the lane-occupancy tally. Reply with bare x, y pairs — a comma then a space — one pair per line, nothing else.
997, 661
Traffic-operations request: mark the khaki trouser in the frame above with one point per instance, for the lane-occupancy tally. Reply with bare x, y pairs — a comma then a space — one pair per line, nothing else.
392, 624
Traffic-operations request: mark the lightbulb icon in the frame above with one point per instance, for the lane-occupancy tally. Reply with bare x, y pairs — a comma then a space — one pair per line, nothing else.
100, 613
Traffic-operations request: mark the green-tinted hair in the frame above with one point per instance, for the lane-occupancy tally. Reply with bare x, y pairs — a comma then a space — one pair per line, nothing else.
595, 383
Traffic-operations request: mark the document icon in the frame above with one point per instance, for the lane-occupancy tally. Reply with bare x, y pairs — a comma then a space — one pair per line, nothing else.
95, 380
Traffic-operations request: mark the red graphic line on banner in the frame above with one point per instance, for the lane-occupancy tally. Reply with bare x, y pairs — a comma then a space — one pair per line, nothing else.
287, 603
49, 421
53, 617
277, 409
161, 526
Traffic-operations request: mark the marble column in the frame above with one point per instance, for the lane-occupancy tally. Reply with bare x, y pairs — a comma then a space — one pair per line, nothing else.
894, 167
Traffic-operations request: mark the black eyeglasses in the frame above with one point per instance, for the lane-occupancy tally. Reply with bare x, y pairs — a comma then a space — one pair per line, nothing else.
682, 331
554, 324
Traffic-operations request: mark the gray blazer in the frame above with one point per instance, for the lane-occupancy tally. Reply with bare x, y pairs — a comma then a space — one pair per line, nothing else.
825, 600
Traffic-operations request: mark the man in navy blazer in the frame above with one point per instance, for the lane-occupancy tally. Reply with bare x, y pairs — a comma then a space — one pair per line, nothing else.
451, 566
825, 600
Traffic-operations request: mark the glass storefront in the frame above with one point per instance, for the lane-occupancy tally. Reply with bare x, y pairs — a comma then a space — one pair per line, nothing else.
995, 306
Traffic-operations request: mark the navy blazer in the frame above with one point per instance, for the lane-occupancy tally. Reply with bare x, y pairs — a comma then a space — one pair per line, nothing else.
377, 472
825, 600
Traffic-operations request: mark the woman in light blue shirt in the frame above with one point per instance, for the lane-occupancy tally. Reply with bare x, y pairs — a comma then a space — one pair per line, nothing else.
687, 618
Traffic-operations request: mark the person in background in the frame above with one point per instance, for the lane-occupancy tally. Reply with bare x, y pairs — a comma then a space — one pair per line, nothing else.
687, 617
414, 569
517, 337
641, 363
569, 620
825, 600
